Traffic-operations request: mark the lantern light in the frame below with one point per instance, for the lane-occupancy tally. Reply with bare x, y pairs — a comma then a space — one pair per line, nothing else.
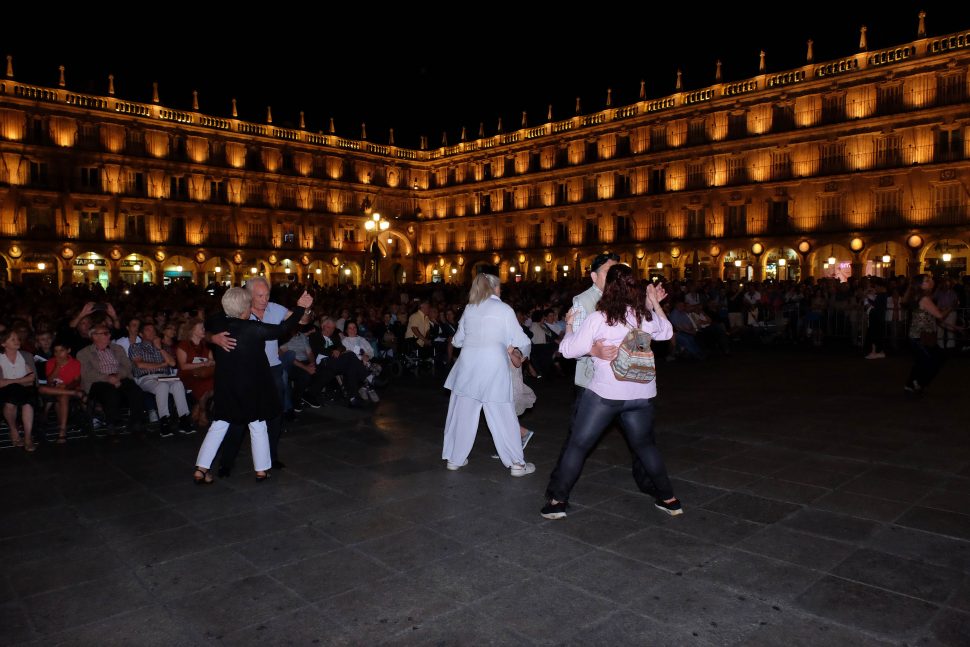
41, 266
90, 267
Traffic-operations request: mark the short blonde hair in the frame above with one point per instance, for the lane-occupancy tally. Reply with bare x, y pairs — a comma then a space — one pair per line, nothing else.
236, 301
483, 287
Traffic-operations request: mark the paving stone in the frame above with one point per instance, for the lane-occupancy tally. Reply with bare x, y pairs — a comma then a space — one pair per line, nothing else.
148, 627
544, 610
360, 526
467, 576
940, 522
60, 571
711, 613
536, 549
16, 626
307, 625
330, 573
775, 488
766, 579
410, 548
628, 628
183, 575
797, 547
834, 526
869, 608
220, 610
752, 508
808, 631
70, 607
671, 551
285, 547
478, 526
924, 581
923, 546
378, 610
950, 629
859, 505
710, 526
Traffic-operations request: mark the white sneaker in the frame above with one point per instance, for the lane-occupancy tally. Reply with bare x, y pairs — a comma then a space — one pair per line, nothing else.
373, 395
363, 393
527, 437
522, 470
454, 467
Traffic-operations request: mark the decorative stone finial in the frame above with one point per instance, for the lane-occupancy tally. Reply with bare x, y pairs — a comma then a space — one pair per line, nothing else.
444, 138
863, 45
717, 73
269, 114
235, 113
680, 81
302, 121
9, 66
195, 99
363, 131
810, 55
424, 142
333, 131
155, 92
761, 61
609, 97
579, 109
643, 89
549, 113
499, 129
463, 137
111, 84
60, 81
920, 33
481, 129
390, 138
525, 120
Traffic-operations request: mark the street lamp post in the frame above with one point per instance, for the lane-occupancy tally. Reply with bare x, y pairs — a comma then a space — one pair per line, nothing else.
375, 226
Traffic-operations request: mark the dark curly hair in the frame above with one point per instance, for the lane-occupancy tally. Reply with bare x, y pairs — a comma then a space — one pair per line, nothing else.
621, 294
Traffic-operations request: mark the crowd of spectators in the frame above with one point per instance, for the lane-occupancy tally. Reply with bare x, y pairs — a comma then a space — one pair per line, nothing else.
133, 340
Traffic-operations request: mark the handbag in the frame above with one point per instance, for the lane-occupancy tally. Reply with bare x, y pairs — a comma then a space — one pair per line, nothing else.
634, 360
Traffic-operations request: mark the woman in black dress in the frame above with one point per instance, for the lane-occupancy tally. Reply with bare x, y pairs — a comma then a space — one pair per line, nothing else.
244, 391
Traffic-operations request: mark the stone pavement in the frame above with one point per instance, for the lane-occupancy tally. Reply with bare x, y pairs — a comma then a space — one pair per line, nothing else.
822, 508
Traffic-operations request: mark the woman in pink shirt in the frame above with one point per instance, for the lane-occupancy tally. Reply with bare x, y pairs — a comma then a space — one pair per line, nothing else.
622, 306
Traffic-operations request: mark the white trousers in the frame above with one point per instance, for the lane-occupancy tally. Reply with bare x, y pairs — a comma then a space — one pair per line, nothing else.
461, 426
161, 390
258, 439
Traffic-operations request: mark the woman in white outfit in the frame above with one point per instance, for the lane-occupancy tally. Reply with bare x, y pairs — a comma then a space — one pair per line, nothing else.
480, 379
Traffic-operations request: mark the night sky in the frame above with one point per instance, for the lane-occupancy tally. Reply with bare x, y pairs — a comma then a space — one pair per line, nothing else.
424, 72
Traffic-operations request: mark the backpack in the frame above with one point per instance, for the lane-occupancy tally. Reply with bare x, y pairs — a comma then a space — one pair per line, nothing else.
634, 360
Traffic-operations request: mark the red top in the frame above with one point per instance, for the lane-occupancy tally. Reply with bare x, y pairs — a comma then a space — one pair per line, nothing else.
69, 374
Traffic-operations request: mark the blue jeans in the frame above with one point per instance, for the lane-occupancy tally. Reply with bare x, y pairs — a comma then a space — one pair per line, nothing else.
593, 416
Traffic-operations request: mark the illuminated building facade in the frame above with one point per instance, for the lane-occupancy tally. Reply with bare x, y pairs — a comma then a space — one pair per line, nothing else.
847, 167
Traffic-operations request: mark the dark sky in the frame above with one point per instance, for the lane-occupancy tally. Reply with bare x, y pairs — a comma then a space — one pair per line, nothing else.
425, 72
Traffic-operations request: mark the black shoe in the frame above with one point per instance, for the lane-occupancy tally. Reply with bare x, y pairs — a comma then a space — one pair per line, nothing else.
554, 510
224, 472
355, 403
673, 508
185, 426
312, 401
298, 408
279, 465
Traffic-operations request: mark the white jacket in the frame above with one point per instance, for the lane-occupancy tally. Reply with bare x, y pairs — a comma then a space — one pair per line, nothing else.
485, 332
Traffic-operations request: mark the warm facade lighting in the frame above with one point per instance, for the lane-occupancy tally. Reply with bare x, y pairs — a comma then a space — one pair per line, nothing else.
41, 266
856, 244
782, 262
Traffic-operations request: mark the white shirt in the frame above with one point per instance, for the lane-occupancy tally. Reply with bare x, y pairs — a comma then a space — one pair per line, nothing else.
13, 370
274, 314
355, 344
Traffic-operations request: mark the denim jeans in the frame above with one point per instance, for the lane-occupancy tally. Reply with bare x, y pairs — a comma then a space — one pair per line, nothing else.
593, 416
